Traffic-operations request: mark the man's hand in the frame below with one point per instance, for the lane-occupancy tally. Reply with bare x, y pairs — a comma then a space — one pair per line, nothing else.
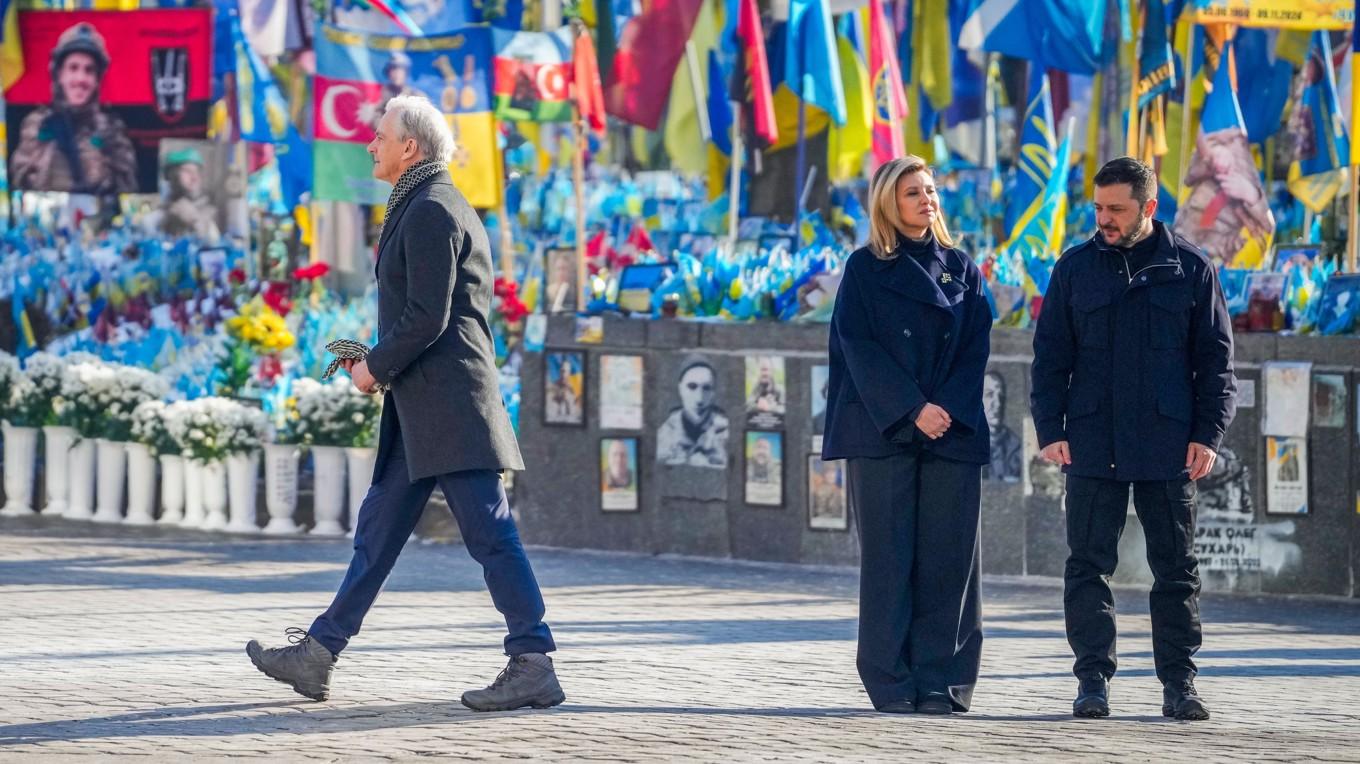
933, 421
1199, 459
1240, 189
1058, 453
364, 382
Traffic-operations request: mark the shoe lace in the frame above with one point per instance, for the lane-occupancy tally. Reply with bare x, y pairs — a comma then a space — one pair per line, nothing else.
511, 670
296, 636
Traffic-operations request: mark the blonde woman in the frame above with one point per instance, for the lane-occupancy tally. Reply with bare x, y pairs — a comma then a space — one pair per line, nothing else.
910, 336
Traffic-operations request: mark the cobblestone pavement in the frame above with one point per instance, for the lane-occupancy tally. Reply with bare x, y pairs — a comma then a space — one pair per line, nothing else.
115, 641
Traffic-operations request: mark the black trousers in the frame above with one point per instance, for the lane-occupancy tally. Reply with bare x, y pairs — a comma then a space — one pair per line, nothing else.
1096, 509
920, 617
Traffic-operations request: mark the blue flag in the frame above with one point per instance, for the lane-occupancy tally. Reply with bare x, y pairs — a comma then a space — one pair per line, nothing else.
1038, 156
719, 108
261, 108
1064, 34
811, 62
1320, 146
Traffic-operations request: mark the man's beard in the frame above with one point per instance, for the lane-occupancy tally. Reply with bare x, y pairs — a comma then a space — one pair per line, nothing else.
1127, 240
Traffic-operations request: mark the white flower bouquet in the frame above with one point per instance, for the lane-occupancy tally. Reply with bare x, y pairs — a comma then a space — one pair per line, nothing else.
335, 414
24, 406
10, 374
98, 398
46, 372
211, 429
149, 427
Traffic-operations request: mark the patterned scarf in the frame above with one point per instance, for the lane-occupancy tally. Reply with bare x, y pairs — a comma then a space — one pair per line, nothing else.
415, 175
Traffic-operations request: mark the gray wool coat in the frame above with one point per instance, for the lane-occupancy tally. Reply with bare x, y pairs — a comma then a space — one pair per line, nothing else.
434, 340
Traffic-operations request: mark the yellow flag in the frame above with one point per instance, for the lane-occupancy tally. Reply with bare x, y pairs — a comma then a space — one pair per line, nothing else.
848, 145
786, 117
683, 131
932, 54
11, 53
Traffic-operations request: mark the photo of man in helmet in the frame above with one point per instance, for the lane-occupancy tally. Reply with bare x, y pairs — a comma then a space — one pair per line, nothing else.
72, 144
188, 208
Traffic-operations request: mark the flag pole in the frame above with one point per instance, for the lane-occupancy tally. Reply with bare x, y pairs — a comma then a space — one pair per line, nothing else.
1131, 136
1352, 240
734, 185
578, 180
1187, 140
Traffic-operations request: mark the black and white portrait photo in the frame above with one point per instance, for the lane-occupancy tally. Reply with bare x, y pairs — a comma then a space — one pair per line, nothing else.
1007, 450
695, 431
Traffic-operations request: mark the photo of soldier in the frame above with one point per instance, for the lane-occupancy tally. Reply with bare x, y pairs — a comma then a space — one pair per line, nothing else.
72, 144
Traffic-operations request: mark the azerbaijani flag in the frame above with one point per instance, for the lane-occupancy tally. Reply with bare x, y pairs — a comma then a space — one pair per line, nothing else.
350, 90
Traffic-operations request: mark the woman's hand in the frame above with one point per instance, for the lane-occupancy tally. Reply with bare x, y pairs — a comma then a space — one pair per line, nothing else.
933, 421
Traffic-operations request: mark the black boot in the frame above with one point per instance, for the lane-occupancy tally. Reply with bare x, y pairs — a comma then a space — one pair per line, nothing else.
1180, 700
305, 664
1093, 699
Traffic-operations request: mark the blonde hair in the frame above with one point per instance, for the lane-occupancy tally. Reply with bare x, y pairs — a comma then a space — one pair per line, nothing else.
884, 221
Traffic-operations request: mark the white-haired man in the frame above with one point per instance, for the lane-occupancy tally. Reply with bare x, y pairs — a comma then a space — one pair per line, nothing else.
443, 420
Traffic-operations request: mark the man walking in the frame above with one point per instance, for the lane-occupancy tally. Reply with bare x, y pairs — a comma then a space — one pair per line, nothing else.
1132, 386
443, 420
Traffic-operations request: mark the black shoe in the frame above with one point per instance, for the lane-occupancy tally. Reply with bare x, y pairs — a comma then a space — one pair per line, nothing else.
305, 664
1180, 700
527, 680
898, 707
1093, 699
935, 704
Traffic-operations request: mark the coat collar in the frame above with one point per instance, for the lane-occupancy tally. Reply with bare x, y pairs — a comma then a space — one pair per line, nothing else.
389, 229
929, 280
1166, 254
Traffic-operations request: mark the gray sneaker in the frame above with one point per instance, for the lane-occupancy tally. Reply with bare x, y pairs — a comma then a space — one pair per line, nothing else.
528, 680
305, 664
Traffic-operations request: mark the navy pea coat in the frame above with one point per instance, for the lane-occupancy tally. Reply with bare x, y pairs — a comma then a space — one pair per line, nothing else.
903, 335
1131, 367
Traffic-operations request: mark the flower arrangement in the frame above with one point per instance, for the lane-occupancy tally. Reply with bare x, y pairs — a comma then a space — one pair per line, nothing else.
335, 414
98, 399
149, 427
46, 372
211, 429
24, 407
258, 331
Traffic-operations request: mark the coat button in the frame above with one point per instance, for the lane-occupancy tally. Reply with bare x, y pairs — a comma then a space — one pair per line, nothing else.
1111, 466
906, 332
946, 335
1145, 278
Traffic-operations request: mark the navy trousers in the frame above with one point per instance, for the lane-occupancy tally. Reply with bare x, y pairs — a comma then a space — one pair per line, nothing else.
920, 614
388, 516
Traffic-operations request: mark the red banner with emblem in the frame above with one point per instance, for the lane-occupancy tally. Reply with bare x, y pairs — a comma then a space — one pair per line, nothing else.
100, 90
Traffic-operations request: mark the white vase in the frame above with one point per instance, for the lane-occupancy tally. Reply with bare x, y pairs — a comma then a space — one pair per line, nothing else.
172, 489
214, 476
243, 472
141, 485
21, 456
280, 488
111, 468
80, 462
328, 490
193, 493
57, 442
360, 463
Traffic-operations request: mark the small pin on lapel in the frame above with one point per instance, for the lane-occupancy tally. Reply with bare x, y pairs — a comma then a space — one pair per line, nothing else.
945, 278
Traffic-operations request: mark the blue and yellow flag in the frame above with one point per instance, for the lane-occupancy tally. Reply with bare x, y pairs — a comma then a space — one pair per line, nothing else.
1037, 161
811, 63
1321, 149
261, 109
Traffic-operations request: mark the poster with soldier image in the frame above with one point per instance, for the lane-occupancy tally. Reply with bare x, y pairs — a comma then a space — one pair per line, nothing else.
1287, 476
694, 433
564, 386
202, 193
827, 507
1329, 400
766, 395
765, 468
1006, 448
99, 92
618, 475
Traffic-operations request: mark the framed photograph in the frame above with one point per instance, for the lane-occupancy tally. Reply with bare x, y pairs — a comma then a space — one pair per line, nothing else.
560, 289
590, 330
827, 506
621, 392
695, 431
765, 468
619, 475
766, 393
817, 395
1287, 476
564, 388
1329, 400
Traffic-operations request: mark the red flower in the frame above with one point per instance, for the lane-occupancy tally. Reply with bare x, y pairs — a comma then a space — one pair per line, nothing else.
276, 296
313, 271
237, 276
505, 288
513, 309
